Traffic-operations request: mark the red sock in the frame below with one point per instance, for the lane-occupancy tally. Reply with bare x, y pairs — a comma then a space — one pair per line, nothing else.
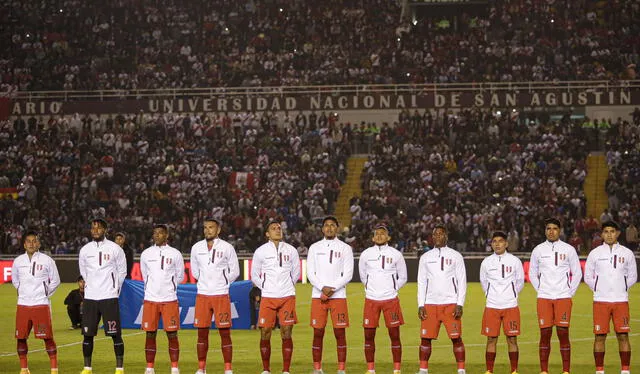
227, 347
174, 350
459, 352
202, 347
265, 352
287, 352
599, 358
370, 346
52, 351
513, 359
341, 345
150, 350
22, 353
544, 348
316, 348
625, 360
425, 353
490, 359
396, 347
565, 348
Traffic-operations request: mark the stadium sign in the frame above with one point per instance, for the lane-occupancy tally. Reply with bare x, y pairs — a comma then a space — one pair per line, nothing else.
332, 102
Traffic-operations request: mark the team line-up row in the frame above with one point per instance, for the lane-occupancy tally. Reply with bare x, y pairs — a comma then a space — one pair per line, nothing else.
554, 272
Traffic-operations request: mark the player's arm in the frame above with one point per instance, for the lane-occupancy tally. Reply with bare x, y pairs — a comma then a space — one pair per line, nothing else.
347, 269
15, 275
590, 271
576, 271
422, 281
179, 267
82, 264
54, 278
362, 268
519, 275
461, 278
121, 266
401, 271
295, 265
256, 269
484, 281
195, 268
533, 270
311, 268
632, 270
234, 265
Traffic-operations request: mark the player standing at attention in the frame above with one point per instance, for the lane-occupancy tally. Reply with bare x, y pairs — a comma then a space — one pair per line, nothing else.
555, 274
103, 266
214, 264
35, 275
329, 269
442, 289
502, 279
162, 268
610, 272
275, 269
383, 272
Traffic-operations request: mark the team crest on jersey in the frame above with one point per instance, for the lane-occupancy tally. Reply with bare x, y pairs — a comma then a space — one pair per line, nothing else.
389, 260
448, 261
286, 257
338, 254
621, 260
219, 254
508, 269
39, 267
106, 256
168, 261
562, 256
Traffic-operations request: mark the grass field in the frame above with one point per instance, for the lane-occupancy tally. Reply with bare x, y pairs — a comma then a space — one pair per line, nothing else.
246, 343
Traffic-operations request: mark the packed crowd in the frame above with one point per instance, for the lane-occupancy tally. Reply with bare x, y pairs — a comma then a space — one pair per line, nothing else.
137, 171
623, 184
474, 172
127, 44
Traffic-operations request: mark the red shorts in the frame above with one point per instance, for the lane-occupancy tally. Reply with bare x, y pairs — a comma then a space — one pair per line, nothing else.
554, 312
151, 312
509, 318
604, 312
283, 307
390, 308
209, 306
337, 308
38, 317
437, 315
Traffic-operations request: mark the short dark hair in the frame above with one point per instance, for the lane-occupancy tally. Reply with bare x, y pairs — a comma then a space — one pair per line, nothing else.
29, 233
120, 233
499, 233
613, 224
552, 221
101, 221
269, 223
161, 226
212, 219
330, 218
440, 226
79, 278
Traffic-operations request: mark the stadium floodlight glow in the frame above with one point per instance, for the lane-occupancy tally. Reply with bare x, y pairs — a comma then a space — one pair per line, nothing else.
281, 10
415, 21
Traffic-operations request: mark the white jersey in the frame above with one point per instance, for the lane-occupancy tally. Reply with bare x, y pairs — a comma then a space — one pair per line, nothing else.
502, 279
103, 266
215, 268
36, 279
275, 270
383, 272
554, 270
330, 264
442, 277
162, 270
610, 272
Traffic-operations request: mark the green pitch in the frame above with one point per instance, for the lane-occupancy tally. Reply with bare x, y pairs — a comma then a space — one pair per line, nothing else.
246, 355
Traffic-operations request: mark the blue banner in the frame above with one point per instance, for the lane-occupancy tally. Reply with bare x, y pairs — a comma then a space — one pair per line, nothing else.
132, 297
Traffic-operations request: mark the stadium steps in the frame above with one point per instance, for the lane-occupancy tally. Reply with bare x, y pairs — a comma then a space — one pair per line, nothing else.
594, 184
351, 187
